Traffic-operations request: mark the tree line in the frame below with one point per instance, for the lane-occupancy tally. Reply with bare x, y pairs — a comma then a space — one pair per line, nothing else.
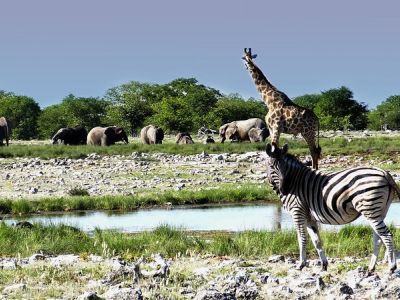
182, 105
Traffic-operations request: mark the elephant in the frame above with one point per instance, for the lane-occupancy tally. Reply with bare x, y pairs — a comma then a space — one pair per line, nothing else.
183, 138
239, 130
152, 135
258, 135
70, 136
106, 136
4, 131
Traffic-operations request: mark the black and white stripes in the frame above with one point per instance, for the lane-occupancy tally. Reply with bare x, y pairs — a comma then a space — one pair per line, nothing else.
334, 198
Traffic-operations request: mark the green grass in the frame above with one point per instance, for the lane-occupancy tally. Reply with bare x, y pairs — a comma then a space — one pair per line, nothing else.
334, 146
227, 193
170, 242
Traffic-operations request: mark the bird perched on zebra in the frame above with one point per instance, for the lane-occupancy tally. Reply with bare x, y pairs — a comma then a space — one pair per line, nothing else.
333, 198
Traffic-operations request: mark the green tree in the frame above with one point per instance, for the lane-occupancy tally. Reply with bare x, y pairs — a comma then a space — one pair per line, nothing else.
337, 110
200, 98
23, 112
308, 101
137, 103
71, 112
388, 112
88, 112
51, 119
173, 114
132, 104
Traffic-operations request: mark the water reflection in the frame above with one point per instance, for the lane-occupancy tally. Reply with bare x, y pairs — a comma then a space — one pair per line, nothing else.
229, 218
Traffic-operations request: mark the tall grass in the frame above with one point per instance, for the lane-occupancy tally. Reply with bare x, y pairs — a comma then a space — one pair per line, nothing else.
349, 241
371, 145
224, 194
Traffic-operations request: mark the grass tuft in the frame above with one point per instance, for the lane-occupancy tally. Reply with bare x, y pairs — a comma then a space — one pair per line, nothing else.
228, 193
77, 191
334, 146
171, 242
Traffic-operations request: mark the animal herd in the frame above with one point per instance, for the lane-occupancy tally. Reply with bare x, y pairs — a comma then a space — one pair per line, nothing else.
310, 196
253, 130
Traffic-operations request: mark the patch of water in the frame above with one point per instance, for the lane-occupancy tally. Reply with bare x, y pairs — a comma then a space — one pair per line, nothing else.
227, 218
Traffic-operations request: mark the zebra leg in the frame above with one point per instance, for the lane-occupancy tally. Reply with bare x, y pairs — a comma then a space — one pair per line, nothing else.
377, 244
313, 231
386, 236
302, 240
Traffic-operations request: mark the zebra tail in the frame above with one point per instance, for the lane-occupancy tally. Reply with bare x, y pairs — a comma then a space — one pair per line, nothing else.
393, 183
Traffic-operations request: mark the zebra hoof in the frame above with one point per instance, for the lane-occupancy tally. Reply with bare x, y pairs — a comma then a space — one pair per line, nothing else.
300, 266
324, 266
371, 272
392, 269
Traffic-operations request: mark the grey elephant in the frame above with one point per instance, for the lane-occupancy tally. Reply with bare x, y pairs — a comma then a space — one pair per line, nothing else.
152, 135
239, 130
258, 134
4, 131
70, 136
183, 138
106, 136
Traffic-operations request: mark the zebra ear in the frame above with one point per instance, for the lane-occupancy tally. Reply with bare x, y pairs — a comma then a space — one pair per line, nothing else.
285, 149
274, 147
269, 149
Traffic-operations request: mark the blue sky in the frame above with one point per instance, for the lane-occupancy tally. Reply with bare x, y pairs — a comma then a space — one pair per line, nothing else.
50, 49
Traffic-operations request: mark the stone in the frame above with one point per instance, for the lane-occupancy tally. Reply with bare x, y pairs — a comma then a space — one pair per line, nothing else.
119, 293
64, 260
33, 190
8, 264
179, 186
96, 258
36, 257
214, 295
24, 224
264, 277
88, 296
14, 288
272, 279
344, 289
276, 258
203, 272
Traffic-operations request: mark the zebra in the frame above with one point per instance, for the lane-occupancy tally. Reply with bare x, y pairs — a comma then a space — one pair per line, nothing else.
335, 198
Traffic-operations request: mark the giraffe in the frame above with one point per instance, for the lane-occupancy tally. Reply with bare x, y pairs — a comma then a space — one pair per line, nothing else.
284, 116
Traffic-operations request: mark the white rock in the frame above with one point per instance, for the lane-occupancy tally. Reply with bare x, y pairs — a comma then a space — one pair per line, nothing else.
14, 288
64, 260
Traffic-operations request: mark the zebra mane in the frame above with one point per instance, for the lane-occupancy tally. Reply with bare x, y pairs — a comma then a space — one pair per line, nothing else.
294, 160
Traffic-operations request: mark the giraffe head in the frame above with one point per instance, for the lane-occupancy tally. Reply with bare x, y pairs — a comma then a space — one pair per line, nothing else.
248, 56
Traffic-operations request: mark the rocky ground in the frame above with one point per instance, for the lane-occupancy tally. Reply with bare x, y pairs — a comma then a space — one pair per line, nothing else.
95, 277
142, 172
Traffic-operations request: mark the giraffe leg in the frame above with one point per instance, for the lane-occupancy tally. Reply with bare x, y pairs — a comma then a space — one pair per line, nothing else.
313, 231
381, 230
314, 150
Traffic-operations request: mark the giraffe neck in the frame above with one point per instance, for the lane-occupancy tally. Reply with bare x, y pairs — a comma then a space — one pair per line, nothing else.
269, 93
